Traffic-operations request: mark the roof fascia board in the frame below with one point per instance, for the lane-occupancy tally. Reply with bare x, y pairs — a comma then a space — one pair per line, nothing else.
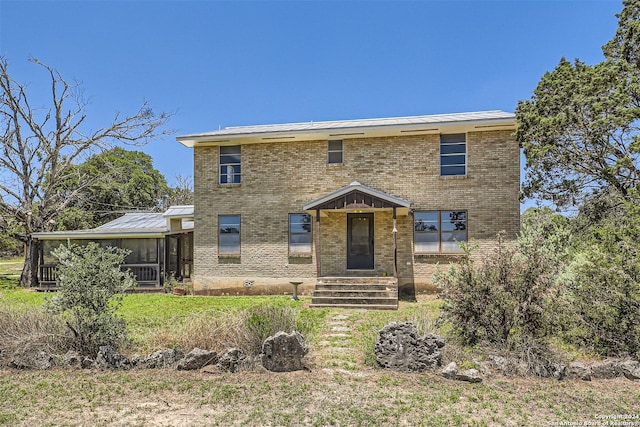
97, 236
348, 132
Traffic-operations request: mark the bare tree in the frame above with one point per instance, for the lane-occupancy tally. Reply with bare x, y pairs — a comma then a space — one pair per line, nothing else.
40, 145
181, 194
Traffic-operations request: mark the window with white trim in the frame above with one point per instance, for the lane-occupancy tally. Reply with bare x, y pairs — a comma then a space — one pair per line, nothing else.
230, 165
439, 231
453, 155
300, 236
229, 234
335, 151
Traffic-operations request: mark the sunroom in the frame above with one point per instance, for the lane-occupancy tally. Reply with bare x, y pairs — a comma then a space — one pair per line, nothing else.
160, 245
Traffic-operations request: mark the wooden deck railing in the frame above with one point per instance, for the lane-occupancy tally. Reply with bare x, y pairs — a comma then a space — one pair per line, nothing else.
147, 275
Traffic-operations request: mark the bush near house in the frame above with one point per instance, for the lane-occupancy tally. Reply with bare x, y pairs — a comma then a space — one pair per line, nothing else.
91, 287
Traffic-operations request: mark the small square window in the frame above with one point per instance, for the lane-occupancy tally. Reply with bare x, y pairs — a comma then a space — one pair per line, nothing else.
335, 151
230, 165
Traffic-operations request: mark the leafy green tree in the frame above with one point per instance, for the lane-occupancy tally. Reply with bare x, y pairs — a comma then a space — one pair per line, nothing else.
601, 305
40, 147
91, 287
625, 45
121, 181
579, 131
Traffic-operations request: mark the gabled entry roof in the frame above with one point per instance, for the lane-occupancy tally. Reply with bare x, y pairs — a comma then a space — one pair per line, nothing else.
356, 196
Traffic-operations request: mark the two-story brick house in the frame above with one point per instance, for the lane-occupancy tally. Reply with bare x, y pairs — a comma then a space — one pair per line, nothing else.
387, 198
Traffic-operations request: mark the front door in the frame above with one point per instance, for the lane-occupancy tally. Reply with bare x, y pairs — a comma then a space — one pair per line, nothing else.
360, 241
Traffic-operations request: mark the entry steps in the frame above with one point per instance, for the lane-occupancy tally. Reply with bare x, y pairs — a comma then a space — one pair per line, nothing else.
371, 293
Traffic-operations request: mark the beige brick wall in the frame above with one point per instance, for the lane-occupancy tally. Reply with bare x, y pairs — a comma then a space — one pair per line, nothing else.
279, 178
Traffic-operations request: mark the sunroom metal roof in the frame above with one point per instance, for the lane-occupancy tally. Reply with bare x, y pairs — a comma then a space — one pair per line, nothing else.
352, 128
137, 224
180, 211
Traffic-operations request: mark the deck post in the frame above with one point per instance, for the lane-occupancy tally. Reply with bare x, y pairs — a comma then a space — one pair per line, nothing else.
395, 244
318, 243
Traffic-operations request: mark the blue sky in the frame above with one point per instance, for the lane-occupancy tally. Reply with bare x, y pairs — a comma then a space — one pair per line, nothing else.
218, 64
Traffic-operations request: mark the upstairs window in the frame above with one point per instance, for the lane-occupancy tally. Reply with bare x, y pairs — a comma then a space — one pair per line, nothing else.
300, 238
229, 234
335, 151
453, 155
439, 231
230, 167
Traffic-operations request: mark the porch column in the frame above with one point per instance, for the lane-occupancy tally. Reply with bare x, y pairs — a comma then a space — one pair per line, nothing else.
318, 274
395, 245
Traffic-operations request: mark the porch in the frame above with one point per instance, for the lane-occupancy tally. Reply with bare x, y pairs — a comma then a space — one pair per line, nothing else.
356, 247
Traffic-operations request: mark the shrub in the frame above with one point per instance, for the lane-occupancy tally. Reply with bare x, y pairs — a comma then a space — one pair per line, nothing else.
604, 301
504, 300
602, 282
90, 290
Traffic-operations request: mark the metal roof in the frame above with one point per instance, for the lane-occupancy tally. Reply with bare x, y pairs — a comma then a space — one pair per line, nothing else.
130, 225
410, 123
180, 211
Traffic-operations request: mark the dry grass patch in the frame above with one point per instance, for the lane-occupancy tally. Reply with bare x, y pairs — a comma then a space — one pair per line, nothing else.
317, 398
25, 331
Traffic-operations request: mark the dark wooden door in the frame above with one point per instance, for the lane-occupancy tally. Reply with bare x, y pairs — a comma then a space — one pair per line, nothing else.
360, 241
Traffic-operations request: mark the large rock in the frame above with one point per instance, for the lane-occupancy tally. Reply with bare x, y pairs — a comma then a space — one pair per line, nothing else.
450, 371
197, 359
161, 359
630, 369
33, 360
468, 375
230, 361
283, 352
606, 369
579, 370
400, 348
109, 358
508, 366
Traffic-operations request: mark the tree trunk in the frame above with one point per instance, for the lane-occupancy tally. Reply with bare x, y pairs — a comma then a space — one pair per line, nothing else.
29, 277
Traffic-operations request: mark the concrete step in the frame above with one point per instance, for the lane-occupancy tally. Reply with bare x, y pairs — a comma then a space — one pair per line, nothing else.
376, 293
350, 280
383, 300
359, 306
356, 286
355, 293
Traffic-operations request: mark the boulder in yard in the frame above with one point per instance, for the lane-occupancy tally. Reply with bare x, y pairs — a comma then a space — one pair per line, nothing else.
283, 352
197, 359
401, 348
166, 358
231, 359
631, 369
579, 370
109, 358
452, 372
32, 360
